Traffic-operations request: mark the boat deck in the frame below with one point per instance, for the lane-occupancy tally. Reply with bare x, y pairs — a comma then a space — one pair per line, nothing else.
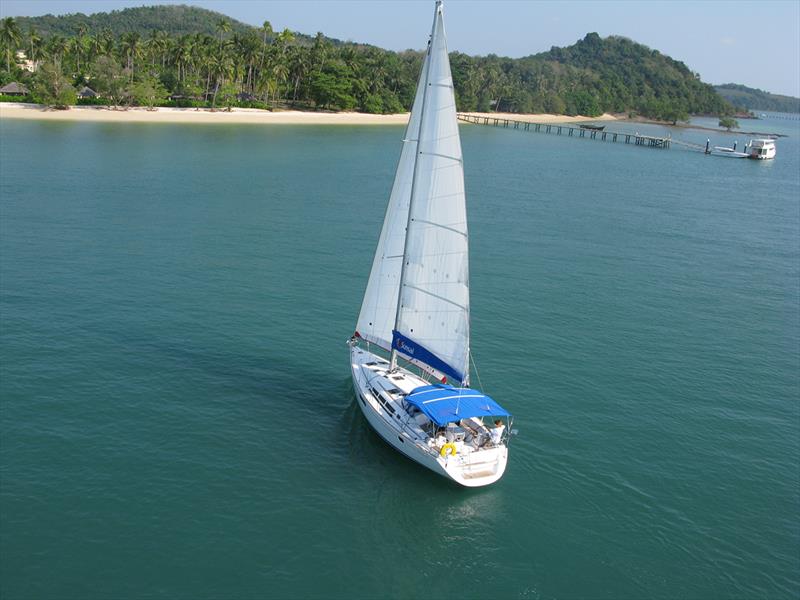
388, 391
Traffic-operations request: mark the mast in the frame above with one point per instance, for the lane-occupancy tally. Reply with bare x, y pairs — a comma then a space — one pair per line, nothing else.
414, 178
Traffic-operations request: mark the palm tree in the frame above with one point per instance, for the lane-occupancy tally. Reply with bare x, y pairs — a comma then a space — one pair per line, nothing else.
281, 74
166, 49
96, 47
319, 51
285, 38
299, 60
157, 46
108, 42
265, 85
204, 49
220, 67
130, 44
78, 46
10, 38
223, 26
266, 29
182, 53
57, 46
377, 77
34, 42
246, 49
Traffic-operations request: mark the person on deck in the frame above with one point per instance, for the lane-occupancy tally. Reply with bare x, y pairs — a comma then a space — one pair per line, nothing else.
497, 431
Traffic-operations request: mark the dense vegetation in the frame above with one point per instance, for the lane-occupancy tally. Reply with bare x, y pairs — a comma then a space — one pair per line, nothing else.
755, 99
628, 76
198, 57
174, 20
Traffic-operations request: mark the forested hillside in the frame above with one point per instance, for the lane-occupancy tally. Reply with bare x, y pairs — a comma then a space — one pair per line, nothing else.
198, 57
174, 20
592, 76
626, 75
755, 99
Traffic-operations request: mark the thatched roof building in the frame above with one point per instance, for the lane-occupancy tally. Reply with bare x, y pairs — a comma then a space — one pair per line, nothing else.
87, 92
14, 89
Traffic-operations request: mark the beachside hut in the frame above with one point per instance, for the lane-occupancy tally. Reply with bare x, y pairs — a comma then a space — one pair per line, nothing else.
182, 97
88, 92
14, 89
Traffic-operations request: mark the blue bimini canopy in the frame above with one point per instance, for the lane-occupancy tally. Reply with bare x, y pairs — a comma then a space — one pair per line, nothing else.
445, 404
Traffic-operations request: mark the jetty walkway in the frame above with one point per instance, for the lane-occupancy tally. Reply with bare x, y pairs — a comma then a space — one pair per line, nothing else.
636, 139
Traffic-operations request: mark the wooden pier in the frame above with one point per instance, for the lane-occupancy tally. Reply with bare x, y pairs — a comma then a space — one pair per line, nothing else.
569, 131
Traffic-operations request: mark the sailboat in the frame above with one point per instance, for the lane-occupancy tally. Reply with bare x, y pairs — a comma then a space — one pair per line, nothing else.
410, 353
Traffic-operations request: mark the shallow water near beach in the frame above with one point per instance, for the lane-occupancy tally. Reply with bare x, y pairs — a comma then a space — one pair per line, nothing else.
177, 418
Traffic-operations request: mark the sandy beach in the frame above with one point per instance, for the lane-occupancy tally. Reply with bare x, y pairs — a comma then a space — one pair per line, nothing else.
13, 110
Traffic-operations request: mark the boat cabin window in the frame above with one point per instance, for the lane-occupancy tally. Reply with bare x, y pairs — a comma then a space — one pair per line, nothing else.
386, 403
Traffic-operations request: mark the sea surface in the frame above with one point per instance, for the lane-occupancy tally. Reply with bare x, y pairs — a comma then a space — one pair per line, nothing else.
176, 413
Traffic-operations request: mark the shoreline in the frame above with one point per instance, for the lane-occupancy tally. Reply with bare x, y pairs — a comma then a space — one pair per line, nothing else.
683, 125
18, 110
254, 116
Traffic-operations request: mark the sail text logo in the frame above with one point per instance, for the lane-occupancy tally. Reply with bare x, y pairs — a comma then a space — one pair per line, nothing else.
405, 348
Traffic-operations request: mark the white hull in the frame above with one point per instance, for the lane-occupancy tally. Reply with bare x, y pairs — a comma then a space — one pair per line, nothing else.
729, 152
468, 467
762, 149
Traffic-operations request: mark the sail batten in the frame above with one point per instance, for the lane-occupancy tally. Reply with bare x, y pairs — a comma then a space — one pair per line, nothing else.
442, 226
437, 296
455, 158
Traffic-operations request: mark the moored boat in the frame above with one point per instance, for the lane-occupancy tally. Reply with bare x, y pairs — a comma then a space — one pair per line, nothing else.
730, 152
762, 149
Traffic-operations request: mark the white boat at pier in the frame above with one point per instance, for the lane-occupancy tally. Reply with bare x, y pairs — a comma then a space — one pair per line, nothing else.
762, 149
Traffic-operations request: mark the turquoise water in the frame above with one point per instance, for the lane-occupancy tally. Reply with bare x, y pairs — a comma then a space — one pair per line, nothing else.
177, 419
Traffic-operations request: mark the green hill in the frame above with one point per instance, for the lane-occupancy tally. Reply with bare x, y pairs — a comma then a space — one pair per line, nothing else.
622, 75
183, 50
175, 20
755, 99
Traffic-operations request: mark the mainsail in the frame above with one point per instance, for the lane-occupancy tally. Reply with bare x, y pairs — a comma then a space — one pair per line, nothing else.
418, 293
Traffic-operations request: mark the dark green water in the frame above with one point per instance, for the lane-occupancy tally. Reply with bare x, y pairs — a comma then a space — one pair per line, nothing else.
177, 419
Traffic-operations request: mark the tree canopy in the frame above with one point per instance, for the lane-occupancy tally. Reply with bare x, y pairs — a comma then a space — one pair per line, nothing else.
196, 56
754, 99
729, 123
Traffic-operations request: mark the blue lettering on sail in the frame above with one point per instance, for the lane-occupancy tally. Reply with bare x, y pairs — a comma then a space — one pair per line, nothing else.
413, 350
